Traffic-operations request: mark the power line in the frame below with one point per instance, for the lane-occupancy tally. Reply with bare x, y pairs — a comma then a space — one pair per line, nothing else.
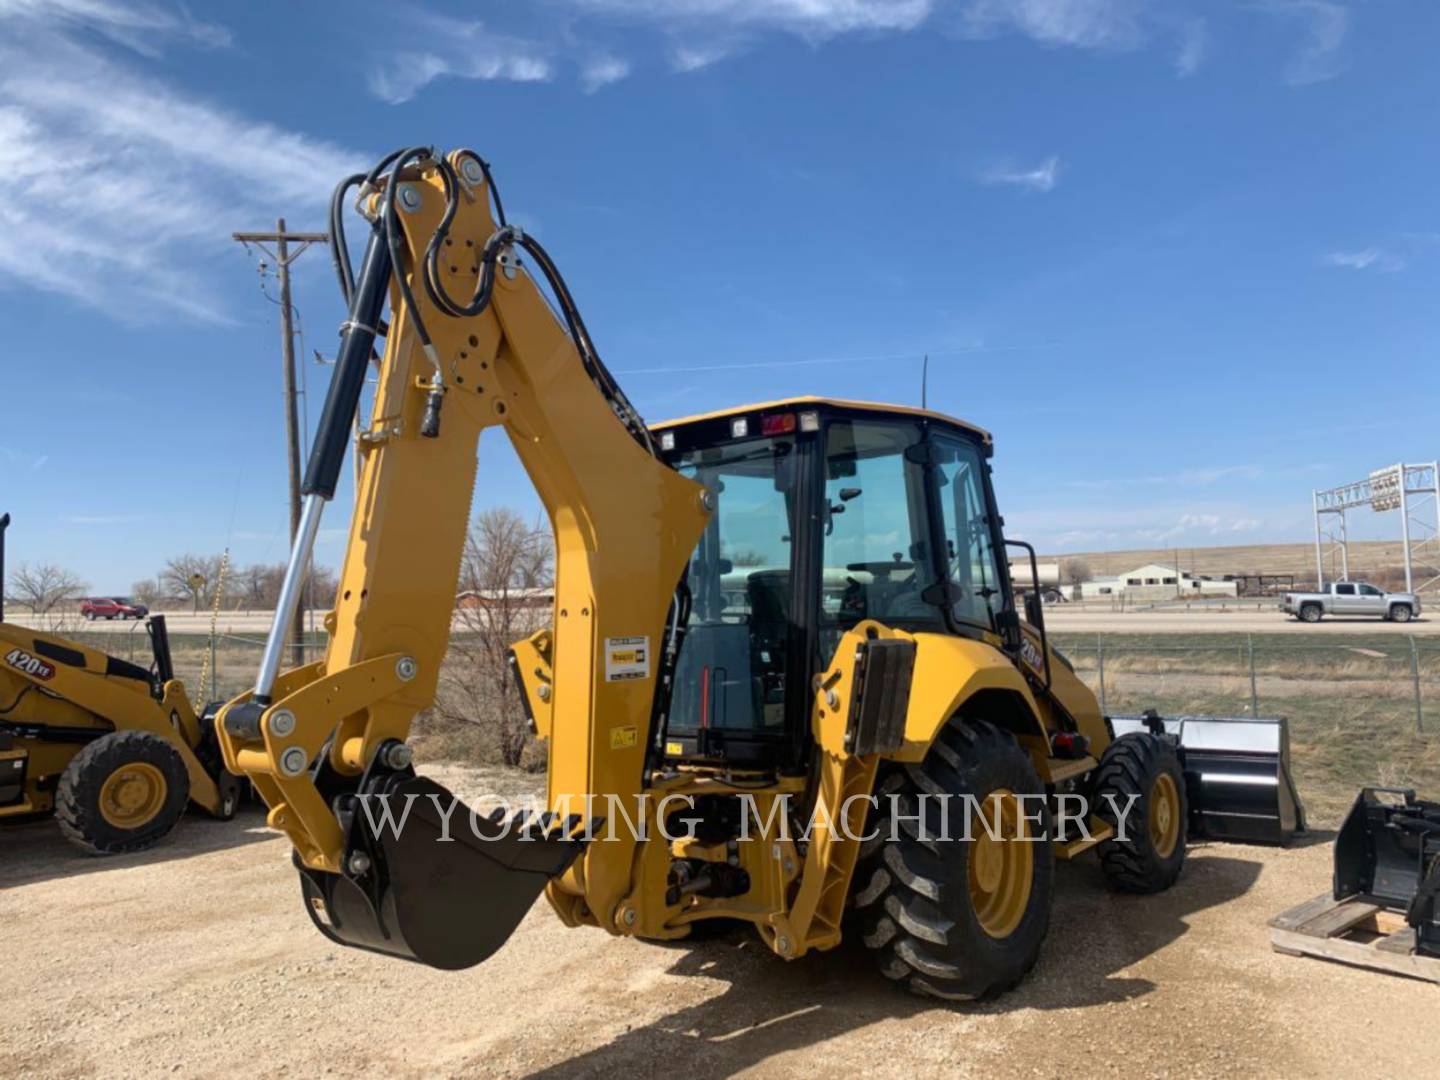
678, 370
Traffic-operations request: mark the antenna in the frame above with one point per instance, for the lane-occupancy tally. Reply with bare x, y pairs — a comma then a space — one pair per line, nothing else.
924, 379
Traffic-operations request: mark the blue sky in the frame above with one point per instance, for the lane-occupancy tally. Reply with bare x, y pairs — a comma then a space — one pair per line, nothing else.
1182, 258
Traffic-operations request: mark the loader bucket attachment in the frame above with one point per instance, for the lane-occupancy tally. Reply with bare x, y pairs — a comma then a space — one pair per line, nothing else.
432, 881
1237, 775
1388, 851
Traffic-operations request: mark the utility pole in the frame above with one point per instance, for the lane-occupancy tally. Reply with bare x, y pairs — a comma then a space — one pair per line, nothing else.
283, 257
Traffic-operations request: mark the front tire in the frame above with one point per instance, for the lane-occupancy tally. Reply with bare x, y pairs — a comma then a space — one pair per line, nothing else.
1142, 771
1400, 613
955, 918
124, 792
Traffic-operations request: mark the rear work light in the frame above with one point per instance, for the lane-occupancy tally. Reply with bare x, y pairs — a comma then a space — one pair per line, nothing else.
781, 424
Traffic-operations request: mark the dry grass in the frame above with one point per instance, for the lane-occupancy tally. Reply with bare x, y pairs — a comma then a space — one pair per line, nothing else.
1369, 559
1351, 707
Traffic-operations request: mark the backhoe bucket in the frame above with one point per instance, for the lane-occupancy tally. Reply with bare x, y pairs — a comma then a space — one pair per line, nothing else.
430, 880
1388, 850
1237, 775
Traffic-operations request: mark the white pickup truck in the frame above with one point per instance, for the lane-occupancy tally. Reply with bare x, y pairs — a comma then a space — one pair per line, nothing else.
1351, 598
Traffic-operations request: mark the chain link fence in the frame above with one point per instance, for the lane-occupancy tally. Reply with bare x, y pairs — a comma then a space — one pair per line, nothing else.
1363, 709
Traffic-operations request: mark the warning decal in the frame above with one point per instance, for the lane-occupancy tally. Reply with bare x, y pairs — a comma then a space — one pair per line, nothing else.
627, 658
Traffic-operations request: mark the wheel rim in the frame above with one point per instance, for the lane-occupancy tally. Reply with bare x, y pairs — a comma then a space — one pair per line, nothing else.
132, 795
1164, 815
1002, 865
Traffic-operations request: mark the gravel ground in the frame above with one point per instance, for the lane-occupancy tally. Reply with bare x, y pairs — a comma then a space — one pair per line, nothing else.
196, 959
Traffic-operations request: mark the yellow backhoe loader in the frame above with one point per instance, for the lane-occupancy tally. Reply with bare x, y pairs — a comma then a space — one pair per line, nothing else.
786, 681
114, 750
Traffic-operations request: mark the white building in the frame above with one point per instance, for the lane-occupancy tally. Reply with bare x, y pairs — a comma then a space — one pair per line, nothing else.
1155, 582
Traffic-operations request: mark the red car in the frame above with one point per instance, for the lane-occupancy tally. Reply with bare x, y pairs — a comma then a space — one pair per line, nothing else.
112, 607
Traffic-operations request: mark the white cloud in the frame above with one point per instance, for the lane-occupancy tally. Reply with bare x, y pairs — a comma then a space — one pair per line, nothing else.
1370, 258
1213, 474
816, 19
464, 49
685, 58
135, 25
1194, 44
1086, 24
1042, 178
1323, 26
1199, 525
122, 188
601, 71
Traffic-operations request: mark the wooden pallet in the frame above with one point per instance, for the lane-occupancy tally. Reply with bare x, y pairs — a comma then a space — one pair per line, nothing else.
1353, 932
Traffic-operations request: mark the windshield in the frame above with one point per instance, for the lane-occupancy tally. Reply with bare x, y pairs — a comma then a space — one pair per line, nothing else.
877, 560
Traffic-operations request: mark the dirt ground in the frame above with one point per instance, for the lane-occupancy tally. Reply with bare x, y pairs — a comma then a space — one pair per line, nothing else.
197, 959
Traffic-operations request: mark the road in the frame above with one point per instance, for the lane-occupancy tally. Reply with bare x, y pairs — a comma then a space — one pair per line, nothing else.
195, 959
1212, 621
1061, 617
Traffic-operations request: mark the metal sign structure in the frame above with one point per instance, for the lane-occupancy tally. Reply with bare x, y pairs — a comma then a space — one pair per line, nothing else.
1414, 490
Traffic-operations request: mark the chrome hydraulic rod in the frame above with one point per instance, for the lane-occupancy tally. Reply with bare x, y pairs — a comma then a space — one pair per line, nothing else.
295, 573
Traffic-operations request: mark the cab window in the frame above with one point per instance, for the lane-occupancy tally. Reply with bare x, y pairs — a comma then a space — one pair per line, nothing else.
877, 563
976, 595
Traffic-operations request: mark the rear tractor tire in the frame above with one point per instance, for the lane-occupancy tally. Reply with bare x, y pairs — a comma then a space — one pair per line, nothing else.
955, 918
1142, 772
124, 792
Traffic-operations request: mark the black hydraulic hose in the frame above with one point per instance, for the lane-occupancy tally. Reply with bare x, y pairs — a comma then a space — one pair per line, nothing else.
389, 226
352, 363
339, 248
390, 223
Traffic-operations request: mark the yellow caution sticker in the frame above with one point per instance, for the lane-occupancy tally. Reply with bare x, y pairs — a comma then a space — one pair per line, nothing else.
674, 748
622, 738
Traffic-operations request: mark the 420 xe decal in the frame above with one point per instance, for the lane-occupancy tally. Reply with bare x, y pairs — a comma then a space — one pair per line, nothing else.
30, 665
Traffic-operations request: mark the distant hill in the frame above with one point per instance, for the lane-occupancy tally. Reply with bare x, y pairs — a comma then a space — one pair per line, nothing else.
1379, 561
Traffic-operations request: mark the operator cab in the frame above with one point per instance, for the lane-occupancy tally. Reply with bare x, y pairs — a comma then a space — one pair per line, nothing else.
826, 513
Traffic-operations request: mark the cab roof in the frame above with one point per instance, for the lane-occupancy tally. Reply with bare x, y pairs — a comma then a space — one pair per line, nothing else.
825, 402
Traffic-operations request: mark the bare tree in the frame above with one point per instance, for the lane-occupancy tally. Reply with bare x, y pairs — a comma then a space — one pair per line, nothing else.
504, 578
194, 577
257, 586
148, 592
43, 587
1076, 570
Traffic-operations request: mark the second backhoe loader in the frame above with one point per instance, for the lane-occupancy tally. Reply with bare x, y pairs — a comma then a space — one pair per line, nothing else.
114, 750
786, 681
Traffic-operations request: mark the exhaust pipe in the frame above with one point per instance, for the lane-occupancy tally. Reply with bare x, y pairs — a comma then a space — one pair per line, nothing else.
1237, 775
